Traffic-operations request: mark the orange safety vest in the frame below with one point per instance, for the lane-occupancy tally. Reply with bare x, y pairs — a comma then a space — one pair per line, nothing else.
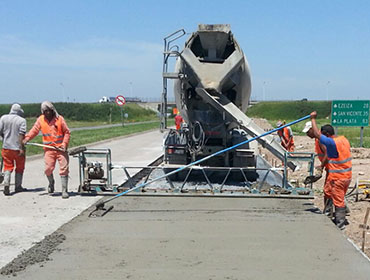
178, 121
318, 151
285, 133
341, 167
51, 134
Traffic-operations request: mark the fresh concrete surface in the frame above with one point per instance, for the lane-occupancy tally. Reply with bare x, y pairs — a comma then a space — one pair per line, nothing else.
203, 238
25, 218
171, 237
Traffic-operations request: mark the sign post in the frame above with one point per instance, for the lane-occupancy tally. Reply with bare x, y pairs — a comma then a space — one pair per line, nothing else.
120, 101
350, 113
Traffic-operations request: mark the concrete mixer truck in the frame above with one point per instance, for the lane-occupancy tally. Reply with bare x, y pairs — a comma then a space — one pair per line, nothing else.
212, 88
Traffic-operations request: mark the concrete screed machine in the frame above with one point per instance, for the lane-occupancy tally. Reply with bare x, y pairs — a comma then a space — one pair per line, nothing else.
212, 89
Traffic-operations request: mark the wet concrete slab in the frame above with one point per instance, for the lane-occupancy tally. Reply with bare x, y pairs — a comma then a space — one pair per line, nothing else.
27, 217
202, 238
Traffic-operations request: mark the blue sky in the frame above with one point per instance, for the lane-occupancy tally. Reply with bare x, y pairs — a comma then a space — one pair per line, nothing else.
82, 50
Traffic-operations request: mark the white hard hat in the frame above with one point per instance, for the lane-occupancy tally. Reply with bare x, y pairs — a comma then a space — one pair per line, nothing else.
307, 126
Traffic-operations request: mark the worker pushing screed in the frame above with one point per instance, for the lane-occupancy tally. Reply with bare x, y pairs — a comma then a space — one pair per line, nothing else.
56, 134
320, 150
339, 168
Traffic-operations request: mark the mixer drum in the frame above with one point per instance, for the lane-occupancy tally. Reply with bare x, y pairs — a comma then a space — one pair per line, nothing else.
213, 60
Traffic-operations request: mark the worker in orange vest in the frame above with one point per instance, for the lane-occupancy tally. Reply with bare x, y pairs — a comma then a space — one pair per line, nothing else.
339, 168
320, 151
286, 136
56, 134
178, 120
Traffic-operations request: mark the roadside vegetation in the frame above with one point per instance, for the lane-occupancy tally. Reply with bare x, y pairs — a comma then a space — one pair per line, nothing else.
292, 110
84, 137
89, 114
80, 114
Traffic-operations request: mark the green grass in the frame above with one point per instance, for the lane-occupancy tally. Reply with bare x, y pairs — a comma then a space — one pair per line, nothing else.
76, 124
89, 112
289, 110
84, 137
293, 110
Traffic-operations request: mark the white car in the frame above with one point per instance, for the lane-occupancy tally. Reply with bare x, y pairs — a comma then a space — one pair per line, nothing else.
106, 99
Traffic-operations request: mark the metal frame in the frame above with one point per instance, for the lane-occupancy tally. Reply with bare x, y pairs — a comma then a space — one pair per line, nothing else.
298, 156
168, 51
220, 190
364, 186
87, 183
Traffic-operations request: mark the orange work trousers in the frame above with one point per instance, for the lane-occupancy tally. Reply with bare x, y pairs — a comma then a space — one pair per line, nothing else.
10, 157
336, 190
50, 158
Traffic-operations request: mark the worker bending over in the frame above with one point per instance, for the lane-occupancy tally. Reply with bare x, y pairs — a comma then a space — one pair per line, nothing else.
339, 168
12, 130
320, 151
286, 136
56, 134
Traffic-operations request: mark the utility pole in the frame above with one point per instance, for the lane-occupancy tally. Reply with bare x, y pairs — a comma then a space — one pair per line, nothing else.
131, 89
63, 92
327, 90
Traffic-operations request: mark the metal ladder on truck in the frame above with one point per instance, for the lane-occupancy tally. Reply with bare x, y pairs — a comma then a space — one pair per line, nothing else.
169, 51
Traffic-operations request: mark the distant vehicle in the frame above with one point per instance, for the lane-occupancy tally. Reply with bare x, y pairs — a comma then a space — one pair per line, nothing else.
106, 99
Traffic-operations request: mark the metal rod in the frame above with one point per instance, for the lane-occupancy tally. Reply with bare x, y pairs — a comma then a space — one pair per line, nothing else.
101, 204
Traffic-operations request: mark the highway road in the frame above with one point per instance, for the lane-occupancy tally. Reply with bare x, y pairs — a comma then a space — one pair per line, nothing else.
172, 237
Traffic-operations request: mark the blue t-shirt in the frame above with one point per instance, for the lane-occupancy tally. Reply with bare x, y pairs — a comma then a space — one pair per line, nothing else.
331, 147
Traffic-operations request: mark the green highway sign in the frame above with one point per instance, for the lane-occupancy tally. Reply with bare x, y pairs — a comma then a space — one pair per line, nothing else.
350, 112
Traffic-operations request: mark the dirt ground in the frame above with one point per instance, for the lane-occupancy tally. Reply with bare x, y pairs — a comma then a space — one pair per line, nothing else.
360, 171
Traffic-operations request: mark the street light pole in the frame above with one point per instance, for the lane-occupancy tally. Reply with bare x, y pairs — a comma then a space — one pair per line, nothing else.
327, 90
131, 89
263, 90
62, 85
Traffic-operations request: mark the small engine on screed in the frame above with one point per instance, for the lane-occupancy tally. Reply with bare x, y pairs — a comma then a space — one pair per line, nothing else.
95, 170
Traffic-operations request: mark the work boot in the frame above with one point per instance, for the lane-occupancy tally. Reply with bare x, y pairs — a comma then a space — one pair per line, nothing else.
340, 217
64, 186
6, 182
328, 206
18, 183
51, 183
